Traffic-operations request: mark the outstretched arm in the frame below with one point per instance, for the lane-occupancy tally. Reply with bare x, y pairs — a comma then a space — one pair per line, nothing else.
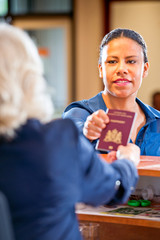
105, 183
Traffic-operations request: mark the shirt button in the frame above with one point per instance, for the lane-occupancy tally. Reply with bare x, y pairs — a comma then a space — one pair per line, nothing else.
117, 184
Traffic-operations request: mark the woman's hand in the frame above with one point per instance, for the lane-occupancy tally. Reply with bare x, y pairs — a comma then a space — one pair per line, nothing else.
111, 156
94, 124
130, 152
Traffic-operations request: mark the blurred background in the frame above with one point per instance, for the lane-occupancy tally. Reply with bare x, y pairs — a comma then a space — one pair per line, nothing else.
68, 34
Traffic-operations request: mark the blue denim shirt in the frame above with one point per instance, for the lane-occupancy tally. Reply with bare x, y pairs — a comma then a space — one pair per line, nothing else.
148, 138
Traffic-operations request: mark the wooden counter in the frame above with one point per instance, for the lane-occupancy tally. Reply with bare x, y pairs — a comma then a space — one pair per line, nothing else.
118, 227
124, 227
120, 220
148, 166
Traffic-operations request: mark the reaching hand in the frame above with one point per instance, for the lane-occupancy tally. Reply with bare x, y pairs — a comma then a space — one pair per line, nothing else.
130, 152
94, 124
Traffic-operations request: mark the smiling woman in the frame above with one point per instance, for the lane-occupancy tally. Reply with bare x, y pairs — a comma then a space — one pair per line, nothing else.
123, 64
122, 69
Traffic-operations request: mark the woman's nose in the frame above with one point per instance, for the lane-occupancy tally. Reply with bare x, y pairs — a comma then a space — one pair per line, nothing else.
122, 68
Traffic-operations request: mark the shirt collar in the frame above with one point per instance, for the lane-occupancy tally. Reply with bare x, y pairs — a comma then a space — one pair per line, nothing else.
97, 103
150, 112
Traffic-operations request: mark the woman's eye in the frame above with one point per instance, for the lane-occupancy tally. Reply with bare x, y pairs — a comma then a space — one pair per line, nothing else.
111, 61
131, 61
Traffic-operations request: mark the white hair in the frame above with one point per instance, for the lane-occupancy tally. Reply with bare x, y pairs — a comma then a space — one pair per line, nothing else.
22, 86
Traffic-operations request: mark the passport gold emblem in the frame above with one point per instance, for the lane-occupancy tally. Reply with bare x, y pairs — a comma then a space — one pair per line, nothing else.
113, 136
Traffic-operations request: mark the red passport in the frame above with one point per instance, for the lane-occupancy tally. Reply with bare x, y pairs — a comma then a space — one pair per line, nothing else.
117, 131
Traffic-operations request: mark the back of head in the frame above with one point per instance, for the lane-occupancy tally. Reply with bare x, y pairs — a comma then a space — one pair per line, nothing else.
22, 86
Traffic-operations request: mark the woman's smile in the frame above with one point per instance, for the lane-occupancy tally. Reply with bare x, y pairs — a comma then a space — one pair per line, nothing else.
122, 82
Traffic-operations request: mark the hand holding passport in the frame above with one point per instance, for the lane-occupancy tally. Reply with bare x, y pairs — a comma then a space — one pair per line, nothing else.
117, 131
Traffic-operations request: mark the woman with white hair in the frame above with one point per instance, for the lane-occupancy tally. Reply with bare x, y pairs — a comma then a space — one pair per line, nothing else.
45, 166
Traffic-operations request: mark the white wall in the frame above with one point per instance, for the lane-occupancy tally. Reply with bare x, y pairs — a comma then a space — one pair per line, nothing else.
143, 17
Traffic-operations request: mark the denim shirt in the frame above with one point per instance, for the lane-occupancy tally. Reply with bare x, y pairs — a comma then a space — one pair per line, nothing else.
148, 137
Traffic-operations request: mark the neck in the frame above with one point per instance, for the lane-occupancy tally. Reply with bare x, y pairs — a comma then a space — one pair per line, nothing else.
113, 102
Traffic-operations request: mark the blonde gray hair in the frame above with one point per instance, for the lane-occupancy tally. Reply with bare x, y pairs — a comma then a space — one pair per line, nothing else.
22, 86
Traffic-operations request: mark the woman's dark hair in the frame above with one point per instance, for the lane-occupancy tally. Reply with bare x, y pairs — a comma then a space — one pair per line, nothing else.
122, 32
